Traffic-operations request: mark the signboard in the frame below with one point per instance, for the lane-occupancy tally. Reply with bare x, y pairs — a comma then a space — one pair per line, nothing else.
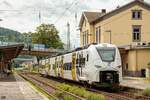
39, 46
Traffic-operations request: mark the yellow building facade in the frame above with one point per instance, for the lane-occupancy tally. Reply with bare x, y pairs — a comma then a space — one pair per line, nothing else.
127, 27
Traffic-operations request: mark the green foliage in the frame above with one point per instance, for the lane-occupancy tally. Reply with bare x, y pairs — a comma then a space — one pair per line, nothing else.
146, 92
148, 64
63, 96
68, 97
78, 91
58, 94
26, 37
10, 35
47, 34
95, 97
81, 92
64, 86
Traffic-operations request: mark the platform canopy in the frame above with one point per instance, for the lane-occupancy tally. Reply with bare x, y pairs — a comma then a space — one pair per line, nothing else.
8, 52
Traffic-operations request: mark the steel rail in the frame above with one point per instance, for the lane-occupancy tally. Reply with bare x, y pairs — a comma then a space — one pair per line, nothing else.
50, 85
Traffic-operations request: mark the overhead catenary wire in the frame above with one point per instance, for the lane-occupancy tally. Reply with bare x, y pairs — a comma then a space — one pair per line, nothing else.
66, 9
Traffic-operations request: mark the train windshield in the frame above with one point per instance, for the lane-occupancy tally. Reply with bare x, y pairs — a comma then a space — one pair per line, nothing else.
107, 54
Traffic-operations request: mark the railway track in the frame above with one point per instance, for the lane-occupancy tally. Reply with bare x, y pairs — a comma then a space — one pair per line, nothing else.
111, 96
49, 88
122, 95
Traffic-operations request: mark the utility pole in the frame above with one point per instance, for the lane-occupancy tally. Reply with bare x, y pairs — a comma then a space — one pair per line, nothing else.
39, 17
76, 19
68, 36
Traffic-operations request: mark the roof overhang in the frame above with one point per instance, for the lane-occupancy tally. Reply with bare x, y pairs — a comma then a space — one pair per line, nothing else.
118, 10
9, 52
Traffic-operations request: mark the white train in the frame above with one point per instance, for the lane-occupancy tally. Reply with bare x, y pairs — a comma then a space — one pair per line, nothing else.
96, 63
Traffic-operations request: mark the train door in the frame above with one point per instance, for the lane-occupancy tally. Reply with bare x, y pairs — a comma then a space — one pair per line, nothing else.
56, 67
73, 69
59, 66
62, 66
80, 64
49, 66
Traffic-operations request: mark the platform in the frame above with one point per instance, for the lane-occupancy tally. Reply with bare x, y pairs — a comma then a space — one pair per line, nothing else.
138, 83
14, 87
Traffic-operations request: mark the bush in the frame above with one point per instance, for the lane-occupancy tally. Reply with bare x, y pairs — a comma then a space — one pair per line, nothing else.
64, 86
81, 92
146, 92
58, 94
68, 97
78, 91
95, 97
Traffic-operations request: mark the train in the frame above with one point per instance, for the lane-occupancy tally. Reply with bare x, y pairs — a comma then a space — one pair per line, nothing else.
92, 64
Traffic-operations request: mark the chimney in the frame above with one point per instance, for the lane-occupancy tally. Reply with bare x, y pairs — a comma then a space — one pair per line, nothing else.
103, 11
118, 7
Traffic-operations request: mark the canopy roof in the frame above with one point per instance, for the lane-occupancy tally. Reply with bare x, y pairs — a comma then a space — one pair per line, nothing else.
8, 52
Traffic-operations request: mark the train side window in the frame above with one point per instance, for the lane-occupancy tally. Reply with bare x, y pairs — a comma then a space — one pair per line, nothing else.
53, 66
70, 66
65, 66
87, 57
82, 60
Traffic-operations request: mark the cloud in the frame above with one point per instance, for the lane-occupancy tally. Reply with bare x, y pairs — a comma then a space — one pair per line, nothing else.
23, 15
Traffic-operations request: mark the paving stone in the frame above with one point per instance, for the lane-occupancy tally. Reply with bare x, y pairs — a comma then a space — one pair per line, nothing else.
16, 88
135, 83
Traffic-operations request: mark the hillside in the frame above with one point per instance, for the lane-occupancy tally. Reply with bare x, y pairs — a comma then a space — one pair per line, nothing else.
9, 35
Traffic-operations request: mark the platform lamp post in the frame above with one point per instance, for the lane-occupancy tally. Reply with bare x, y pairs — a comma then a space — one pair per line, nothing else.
110, 34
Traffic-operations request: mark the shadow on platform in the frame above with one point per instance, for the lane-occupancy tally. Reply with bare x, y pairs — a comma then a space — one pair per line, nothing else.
7, 78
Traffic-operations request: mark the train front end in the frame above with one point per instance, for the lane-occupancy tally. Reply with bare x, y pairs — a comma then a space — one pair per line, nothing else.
106, 64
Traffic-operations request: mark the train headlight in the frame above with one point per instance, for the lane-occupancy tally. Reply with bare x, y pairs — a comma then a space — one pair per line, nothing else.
109, 76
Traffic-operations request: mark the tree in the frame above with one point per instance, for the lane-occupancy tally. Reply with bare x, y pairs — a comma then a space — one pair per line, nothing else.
47, 34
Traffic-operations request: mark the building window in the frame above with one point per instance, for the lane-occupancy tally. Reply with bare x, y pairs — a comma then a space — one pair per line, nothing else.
85, 38
85, 23
136, 14
126, 66
97, 35
136, 33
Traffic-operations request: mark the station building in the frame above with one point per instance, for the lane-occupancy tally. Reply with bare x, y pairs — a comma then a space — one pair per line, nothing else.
128, 27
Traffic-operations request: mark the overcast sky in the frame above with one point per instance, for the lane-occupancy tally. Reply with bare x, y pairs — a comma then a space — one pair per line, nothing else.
23, 15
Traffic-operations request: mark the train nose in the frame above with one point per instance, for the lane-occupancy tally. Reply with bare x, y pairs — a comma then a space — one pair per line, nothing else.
109, 77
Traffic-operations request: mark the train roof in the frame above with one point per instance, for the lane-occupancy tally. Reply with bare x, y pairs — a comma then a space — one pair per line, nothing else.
78, 49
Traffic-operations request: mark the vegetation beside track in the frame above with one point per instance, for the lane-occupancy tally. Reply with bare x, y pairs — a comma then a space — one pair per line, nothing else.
146, 92
81, 92
39, 89
125, 93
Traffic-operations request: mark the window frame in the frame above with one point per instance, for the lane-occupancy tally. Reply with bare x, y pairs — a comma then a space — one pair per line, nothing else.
85, 37
136, 16
98, 34
107, 49
133, 33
